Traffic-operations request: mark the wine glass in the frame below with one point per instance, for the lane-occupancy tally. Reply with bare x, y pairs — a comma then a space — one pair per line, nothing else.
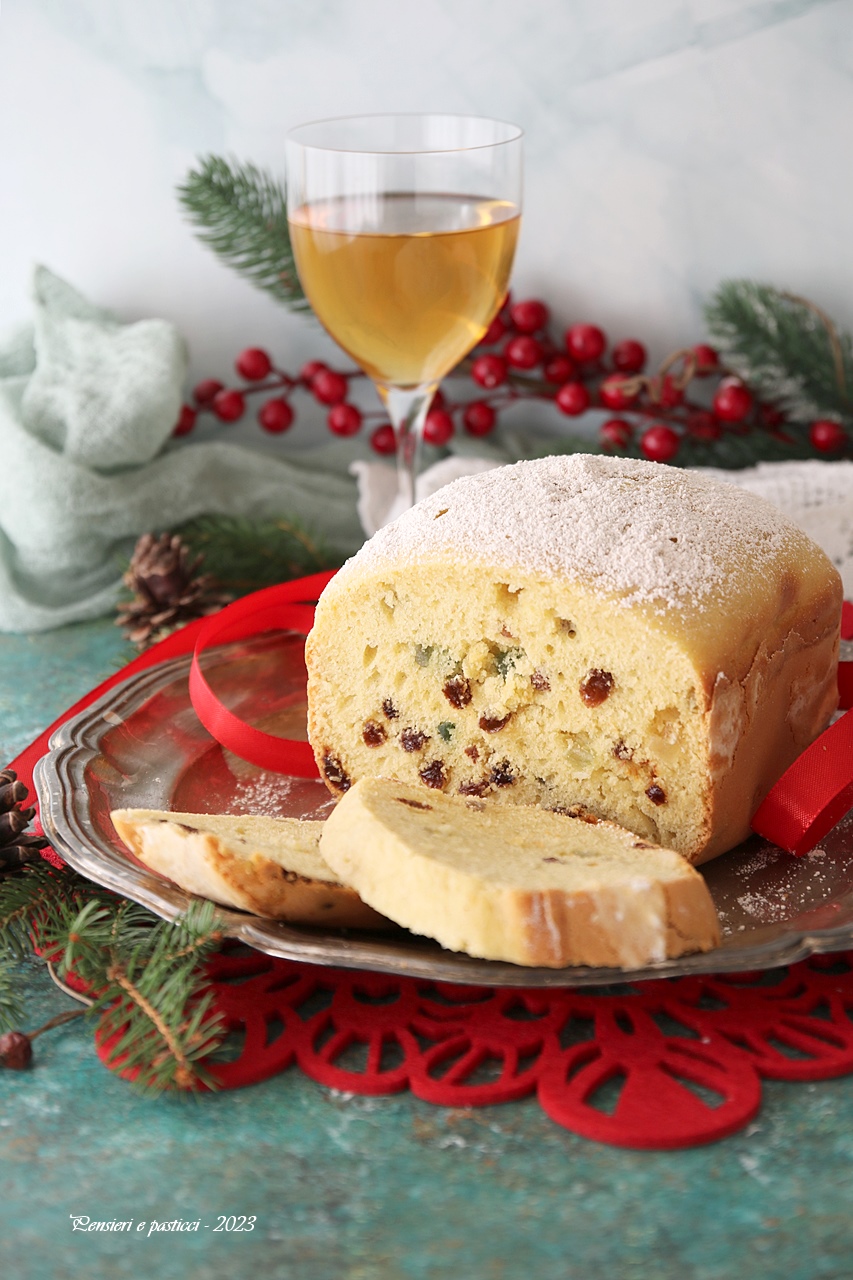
404, 229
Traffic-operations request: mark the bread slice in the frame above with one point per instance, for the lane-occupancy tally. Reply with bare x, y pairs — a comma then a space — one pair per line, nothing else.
516, 883
269, 866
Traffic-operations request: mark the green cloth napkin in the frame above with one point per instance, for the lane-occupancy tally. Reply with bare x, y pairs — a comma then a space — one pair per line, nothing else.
88, 462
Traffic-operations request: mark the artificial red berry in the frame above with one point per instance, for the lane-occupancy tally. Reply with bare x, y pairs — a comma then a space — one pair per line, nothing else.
827, 436
438, 427
629, 356
659, 443
572, 398
585, 342
707, 360
559, 369
186, 421
344, 419
329, 387
228, 405
529, 316
523, 352
479, 418
732, 401
437, 402
489, 371
670, 393
383, 440
615, 433
612, 392
771, 416
206, 391
253, 364
310, 370
276, 416
703, 425
16, 1050
494, 333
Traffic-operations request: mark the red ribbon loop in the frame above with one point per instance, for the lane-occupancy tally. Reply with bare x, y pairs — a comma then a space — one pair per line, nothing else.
813, 794
816, 791
287, 607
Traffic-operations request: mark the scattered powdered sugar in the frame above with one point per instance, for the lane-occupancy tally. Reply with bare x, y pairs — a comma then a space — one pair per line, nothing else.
267, 796
648, 532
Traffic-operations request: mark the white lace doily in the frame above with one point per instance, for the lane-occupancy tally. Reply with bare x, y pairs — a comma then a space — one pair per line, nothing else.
817, 495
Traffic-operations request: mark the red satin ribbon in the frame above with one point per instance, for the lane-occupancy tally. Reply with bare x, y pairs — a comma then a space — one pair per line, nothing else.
288, 607
816, 791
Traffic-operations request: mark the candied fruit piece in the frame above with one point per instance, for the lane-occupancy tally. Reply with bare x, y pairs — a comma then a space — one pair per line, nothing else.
434, 774
501, 775
595, 687
494, 726
457, 691
373, 734
335, 774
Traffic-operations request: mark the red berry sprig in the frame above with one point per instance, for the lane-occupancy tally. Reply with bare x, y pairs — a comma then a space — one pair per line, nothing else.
519, 359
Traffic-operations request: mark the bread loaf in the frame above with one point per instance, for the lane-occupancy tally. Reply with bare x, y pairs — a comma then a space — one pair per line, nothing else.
269, 866
616, 638
516, 884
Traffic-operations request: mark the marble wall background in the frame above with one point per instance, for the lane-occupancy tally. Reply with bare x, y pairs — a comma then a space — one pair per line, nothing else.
669, 143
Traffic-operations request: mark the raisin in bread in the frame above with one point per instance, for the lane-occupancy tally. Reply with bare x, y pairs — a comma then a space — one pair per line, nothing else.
516, 884
592, 634
269, 866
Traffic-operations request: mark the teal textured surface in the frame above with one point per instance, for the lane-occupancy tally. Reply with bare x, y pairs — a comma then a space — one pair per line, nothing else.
377, 1188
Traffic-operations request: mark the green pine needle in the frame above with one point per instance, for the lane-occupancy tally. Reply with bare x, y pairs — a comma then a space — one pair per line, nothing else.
146, 974
785, 348
11, 1008
245, 555
240, 212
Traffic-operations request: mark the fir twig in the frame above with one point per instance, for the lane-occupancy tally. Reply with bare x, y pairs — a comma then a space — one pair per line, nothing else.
146, 975
245, 555
785, 347
240, 212
11, 1007
152, 999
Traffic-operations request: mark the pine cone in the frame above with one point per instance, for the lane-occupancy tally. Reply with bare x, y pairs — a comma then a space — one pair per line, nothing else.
17, 845
168, 590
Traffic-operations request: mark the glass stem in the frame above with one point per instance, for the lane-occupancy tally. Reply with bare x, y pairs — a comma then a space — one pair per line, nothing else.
407, 408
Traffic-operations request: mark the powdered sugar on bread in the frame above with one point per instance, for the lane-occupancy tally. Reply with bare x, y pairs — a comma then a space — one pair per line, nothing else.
648, 533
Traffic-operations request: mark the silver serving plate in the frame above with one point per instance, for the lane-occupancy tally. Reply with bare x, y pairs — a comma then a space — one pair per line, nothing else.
142, 746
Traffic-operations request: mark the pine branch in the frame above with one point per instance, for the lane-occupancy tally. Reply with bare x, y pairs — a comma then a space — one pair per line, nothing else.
26, 896
151, 996
240, 212
146, 975
786, 348
11, 1008
244, 555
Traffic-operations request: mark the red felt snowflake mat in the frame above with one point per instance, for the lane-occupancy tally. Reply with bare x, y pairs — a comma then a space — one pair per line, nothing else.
653, 1065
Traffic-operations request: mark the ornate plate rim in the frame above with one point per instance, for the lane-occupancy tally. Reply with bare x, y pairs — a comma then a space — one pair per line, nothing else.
64, 804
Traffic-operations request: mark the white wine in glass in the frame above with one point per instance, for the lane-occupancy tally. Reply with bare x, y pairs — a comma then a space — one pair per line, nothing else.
404, 230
